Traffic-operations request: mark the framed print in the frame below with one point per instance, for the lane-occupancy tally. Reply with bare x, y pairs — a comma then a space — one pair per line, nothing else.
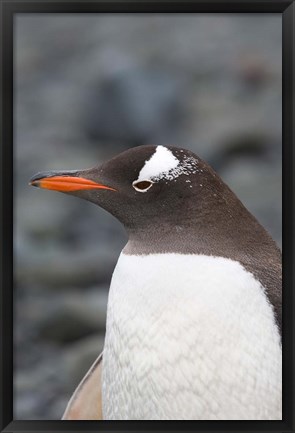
166, 293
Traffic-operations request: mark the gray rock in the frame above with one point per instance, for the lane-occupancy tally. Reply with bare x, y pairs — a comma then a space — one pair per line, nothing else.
36, 387
74, 317
134, 107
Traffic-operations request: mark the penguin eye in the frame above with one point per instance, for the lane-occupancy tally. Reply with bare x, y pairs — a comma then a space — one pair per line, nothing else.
142, 185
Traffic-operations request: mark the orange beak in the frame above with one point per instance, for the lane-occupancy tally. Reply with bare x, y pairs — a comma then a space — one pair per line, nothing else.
65, 183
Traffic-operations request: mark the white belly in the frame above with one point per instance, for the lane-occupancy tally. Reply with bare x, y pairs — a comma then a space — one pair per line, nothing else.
189, 337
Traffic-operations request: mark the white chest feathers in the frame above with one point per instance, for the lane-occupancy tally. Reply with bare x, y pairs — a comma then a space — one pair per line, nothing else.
189, 337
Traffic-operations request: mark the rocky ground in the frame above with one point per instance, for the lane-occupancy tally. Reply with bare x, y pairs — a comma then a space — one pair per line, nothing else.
86, 88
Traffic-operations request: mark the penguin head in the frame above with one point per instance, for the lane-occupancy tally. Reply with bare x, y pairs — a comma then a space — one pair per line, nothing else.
141, 184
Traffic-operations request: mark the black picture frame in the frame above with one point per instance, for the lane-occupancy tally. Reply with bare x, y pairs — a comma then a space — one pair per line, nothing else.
8, 9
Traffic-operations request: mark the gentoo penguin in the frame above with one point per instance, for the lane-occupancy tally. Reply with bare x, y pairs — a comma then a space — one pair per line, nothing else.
194, 308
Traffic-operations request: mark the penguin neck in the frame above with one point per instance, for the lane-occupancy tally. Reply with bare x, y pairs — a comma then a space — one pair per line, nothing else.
217, 234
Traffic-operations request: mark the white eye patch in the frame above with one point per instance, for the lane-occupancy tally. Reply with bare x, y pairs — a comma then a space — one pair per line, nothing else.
161, 162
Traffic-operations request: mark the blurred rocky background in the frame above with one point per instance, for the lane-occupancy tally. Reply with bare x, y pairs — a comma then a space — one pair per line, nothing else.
88, 87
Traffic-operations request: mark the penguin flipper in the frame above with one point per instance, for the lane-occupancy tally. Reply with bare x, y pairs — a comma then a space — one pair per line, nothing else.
85, 403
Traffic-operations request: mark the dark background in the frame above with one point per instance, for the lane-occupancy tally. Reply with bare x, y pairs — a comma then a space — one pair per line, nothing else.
87, 87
